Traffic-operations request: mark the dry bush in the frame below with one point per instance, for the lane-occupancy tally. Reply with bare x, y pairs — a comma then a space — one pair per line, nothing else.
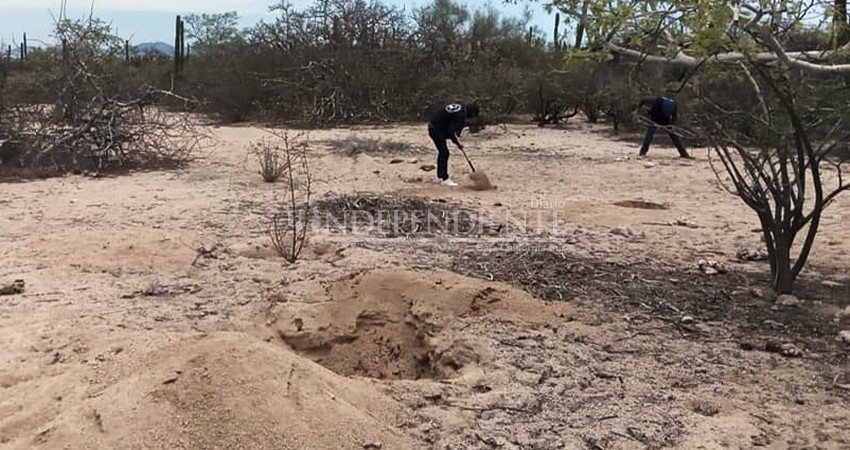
289, 229
270, 159
93, 122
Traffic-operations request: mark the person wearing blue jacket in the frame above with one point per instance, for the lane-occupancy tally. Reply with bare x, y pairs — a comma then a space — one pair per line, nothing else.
663, 112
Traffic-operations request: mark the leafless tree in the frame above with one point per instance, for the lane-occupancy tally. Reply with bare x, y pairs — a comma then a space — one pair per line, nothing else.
289, 229
789, 168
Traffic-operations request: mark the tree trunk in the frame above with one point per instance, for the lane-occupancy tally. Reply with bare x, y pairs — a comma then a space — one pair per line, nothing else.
581, 22
839, 22
783, 276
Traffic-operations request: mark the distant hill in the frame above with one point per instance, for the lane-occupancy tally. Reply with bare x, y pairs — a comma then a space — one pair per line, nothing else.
148, 48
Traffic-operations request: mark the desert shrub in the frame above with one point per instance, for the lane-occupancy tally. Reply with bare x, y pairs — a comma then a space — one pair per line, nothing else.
270, 159
289, 229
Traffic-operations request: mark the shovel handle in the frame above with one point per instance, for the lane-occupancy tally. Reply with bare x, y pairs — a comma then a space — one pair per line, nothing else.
467, 159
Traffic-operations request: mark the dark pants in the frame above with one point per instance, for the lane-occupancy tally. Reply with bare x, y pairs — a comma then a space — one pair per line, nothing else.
442, 153
650, 133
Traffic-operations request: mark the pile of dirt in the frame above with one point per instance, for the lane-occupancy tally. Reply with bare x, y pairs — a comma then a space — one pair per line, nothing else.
394, 215
229, 390
400, 324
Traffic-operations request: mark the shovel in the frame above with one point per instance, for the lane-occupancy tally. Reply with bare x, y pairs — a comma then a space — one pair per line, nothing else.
480, 182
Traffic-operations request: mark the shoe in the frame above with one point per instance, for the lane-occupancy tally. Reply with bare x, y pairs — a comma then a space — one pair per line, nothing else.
448, 182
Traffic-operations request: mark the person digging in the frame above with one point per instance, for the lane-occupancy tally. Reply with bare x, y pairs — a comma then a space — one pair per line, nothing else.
663, 113
444, 124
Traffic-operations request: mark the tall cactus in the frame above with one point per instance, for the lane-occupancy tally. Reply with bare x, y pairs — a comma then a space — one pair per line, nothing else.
556, 37
178, 46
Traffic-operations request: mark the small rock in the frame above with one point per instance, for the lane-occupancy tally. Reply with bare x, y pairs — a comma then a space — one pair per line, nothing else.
757, 293
397, 161
173, 378
427, 167
711, 267
497, 204
705, 408
830, 283
844, 337
376, 172
649, 165
746, 254
684, 222
785, 349
622, 231
791, 351
687, 320
414, 161
788, 300
773, 324
373, 445
16, 287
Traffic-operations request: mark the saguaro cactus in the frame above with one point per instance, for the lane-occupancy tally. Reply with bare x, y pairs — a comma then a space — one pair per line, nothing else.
179, 45
557, 39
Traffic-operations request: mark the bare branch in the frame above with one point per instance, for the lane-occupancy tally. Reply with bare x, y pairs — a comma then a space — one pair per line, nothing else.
795, 59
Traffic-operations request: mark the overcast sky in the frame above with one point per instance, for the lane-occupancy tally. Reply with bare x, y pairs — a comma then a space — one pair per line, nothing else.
153, 20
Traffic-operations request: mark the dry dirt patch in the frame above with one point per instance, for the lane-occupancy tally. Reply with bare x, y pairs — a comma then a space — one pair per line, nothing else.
396, 324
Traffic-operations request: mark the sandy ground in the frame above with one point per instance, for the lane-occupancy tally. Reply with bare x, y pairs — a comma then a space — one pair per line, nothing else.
127, 336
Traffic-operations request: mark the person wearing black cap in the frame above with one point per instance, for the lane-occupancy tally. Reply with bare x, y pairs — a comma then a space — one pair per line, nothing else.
444, 124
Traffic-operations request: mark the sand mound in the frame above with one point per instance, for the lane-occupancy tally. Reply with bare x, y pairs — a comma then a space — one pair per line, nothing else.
398, 324
232, 391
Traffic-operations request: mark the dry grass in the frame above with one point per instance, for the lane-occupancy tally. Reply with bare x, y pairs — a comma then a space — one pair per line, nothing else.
272, 164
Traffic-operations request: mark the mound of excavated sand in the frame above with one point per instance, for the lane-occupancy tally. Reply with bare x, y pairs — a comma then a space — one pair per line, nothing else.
400, 324
232, 391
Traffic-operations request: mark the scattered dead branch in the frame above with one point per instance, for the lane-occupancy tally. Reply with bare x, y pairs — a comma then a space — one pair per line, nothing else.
92, 124
205, 253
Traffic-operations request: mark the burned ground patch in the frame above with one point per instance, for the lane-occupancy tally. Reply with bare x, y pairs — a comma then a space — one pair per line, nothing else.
390, 215
680, 296
353, 146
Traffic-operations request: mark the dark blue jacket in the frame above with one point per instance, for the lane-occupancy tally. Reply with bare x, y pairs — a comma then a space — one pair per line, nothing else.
663, 110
